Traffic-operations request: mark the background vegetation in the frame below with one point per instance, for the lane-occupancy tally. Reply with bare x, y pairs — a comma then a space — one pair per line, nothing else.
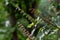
29, 19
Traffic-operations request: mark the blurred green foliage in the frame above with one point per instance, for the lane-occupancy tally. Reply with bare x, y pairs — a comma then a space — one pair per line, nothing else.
20, 10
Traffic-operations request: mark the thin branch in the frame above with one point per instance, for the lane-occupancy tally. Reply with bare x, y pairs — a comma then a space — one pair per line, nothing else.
25, 32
